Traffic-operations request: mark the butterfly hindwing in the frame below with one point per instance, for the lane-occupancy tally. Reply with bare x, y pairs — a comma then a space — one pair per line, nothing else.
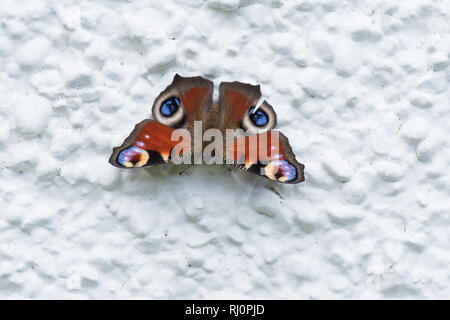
238, 108
185, 100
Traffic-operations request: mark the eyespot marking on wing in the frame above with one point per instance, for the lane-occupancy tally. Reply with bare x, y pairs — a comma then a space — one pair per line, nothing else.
258, 117
281, 170
170, 106
133, 157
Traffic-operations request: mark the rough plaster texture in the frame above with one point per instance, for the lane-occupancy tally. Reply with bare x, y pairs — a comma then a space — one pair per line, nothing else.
361, 89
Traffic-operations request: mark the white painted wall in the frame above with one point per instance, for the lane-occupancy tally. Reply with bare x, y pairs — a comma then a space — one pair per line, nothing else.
361, 89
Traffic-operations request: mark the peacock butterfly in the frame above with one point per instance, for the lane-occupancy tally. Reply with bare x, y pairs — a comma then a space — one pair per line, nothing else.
242, 131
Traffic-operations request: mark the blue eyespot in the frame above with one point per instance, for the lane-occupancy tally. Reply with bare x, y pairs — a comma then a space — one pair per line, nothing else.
133, 157
287, 170
259, 117
281, 170
170, 106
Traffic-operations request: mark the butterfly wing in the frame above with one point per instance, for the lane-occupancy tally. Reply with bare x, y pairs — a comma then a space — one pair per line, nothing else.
185, 100
151, 142
268, 154
238, 108
261, 151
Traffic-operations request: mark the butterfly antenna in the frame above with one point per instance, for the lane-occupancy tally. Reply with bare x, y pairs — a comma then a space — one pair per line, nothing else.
182, 171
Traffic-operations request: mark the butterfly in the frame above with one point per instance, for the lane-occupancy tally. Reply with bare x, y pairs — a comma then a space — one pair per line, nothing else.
185, 109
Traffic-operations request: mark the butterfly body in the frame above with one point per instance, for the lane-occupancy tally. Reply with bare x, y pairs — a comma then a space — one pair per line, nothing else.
186, 124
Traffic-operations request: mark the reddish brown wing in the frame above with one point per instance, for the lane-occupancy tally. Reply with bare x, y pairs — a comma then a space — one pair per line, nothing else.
262, 151
193, 99
238, 108
184, 101
148, 144
268, 154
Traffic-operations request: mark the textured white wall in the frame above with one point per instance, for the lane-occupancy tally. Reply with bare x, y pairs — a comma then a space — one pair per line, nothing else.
361, 89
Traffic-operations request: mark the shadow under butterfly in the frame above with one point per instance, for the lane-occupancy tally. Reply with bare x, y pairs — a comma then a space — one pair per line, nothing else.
260, 150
